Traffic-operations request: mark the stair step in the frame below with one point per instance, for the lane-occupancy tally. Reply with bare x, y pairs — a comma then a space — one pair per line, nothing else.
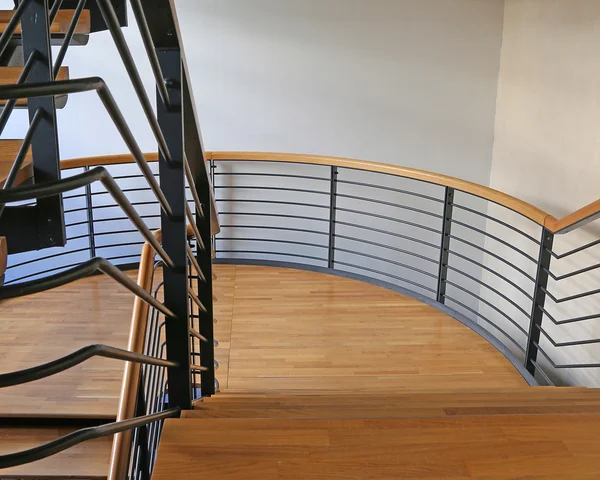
10, 75
511, 446
8, 152
60, 24
531, 401
89, 460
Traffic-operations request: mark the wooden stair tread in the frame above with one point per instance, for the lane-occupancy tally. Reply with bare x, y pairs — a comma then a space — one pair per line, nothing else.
60, 24
10, 75
8, 152
533, 401
543, 446
89, 460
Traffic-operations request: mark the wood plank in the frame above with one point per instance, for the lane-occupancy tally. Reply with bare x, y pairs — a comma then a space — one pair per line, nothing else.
60, 24
10, 75
88, 460
524, 401
499, 447
8, 152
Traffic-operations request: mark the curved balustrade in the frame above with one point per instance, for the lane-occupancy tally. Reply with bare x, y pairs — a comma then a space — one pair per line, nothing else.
478, 254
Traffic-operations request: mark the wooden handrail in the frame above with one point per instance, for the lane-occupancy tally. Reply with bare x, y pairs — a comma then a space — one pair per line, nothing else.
137, 335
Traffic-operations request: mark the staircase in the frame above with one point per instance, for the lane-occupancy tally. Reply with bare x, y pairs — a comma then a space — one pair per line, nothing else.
329, 362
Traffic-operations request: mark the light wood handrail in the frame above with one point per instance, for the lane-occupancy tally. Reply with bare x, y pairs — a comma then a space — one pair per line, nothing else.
137, 335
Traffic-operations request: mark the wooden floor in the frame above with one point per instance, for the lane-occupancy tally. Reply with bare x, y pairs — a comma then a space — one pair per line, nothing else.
277, 329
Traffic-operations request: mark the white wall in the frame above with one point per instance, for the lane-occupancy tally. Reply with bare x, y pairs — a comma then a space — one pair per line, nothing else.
410, 82
546, 148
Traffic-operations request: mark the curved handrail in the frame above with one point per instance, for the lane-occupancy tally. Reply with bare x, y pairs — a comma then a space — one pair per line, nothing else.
69, 361
541, 217
80, 436
131, 374
563, 225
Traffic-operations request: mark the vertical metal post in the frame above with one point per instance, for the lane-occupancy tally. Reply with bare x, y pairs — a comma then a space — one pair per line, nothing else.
445, 244
46, 161
195, 156
332, 207
213, 167
90, 217
142, 436
174, 233
539, 299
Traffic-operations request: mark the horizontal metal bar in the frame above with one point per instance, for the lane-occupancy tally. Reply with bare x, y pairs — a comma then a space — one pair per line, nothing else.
195, 333
379, 272
491, 270
23, 150
476, 313
575, 250
116, 32
69, 361
572, 274
82, 270
10, 105
193, 190
570, 320
194, 262
481, 299
494, 237
391, 189
567, 344
274, 202
196, 300
117, 245
397, 235
280, 189
489, 287
135, 204
492, 254
266, 227
77, 181
124, 190
257, 174
198, 368
50, 257
297, 217
386, 260
67, 38
392, 219
12, 24
66, 87
243, 252
80, 436
571, 297
500, 222
389, 247
381, 202
540, 370
270, 240
572, 365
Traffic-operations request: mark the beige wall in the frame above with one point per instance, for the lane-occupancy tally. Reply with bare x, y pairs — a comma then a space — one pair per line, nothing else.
547, 142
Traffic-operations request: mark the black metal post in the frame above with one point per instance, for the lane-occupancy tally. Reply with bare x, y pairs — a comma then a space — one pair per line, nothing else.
174, 233
332, 206
213, 167
46, 160
90, 216
195, 156
445, 244
539, 299
142, 432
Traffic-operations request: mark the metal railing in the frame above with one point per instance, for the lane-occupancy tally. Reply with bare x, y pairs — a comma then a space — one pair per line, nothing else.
37, 211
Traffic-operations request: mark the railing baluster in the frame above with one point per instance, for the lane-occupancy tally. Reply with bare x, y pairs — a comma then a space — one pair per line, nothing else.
90, 216
539, 299
445, 244
332, 215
